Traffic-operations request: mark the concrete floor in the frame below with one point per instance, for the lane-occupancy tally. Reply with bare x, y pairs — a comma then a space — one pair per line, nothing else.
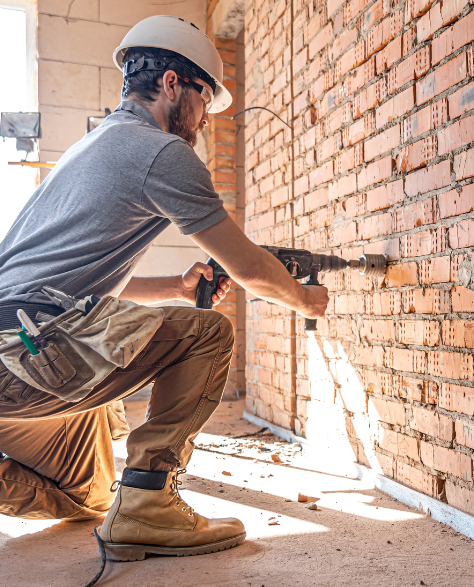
358, 536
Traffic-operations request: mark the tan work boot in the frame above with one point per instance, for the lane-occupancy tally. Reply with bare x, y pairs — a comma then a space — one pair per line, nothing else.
148, 515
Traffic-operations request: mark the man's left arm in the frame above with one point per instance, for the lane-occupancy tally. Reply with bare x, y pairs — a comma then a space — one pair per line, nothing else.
153, 290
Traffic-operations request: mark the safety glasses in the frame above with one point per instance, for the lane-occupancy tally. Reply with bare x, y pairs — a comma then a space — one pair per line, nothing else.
206, 95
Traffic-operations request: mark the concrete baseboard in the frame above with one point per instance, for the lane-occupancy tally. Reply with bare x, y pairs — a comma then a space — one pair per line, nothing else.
438, 510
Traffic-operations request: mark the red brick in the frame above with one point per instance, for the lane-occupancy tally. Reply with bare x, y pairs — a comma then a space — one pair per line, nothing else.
410, 68
389, 55
415, 389
400, 444
378, 330
279, 196
322, 39
321, 175
465, 433
416, 155
343, 42
349, 304
456, 135
358, 131
384, 303
426, 180
333, 5
435, 270
342, 234
455, 37
351, 59
452, 203
378, 37
457, 398
395, 107
375, 226
451, 365
375, 172
440, 15
453, 462
416, 478
425, 119
300, 186
426, 301
405, 360
458, 333
424, 242
429, 422
461, 101
415, 215
463, 299
441, 79
462, 234
464, 164
460, 497
385, 196
375, 13
401, 275
386, 411
420, 332
342, 187
414, 8
383, 142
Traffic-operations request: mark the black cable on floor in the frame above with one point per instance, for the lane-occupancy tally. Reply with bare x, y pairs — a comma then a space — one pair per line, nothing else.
100, 542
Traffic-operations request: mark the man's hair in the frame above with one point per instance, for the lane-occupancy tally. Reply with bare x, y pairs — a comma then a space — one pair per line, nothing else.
143, 84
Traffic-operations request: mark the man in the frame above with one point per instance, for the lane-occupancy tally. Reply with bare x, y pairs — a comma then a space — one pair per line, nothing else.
84, 231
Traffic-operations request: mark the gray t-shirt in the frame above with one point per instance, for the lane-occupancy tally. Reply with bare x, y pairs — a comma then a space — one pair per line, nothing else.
111, 194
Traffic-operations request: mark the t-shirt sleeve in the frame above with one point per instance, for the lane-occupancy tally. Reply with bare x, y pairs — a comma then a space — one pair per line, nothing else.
179, 187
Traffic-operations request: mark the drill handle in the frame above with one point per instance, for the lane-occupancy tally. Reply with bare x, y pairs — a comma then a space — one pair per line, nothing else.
310, 324
206, 289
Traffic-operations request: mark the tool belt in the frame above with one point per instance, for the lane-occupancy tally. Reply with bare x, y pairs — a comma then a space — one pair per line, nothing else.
85, 344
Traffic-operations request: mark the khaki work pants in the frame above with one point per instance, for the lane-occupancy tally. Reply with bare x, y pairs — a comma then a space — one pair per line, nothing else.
60, 462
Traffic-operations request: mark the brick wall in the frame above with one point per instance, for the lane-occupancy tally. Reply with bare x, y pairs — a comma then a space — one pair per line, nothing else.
380, 97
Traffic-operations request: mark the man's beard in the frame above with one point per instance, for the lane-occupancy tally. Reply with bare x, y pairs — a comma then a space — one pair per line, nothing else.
181, 119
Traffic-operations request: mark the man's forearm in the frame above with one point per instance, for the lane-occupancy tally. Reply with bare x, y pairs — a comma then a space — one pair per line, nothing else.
252, 267
152, 290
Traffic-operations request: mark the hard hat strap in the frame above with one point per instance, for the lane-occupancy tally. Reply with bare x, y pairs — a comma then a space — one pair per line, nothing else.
164, 63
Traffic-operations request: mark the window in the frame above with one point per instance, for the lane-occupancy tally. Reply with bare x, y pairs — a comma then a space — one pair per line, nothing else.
17, 94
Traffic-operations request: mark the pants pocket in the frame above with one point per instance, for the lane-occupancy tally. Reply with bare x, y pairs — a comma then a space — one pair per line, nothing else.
13, 390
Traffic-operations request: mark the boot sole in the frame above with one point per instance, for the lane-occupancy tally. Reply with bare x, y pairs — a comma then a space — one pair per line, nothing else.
136, 552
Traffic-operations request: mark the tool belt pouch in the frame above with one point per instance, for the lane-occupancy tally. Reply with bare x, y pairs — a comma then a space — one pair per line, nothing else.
83, 349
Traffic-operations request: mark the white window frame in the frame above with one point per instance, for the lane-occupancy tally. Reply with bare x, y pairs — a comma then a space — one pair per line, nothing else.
31, 10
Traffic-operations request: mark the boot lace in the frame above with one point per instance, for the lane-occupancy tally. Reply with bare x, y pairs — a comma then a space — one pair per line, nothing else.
175, 485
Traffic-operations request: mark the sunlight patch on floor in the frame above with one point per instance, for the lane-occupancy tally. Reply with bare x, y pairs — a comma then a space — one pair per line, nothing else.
16, 527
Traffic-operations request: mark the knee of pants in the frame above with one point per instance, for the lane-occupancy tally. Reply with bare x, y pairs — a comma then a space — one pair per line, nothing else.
227, 329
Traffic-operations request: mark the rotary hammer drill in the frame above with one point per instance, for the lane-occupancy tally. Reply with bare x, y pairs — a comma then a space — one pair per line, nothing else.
300, 264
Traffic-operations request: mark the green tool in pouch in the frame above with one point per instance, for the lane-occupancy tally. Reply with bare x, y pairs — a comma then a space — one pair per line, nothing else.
84, 344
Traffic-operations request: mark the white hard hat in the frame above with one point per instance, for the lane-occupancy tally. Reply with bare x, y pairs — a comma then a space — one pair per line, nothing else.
179, 35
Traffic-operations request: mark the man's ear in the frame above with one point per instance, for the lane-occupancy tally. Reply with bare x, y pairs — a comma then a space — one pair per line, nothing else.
170, 84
